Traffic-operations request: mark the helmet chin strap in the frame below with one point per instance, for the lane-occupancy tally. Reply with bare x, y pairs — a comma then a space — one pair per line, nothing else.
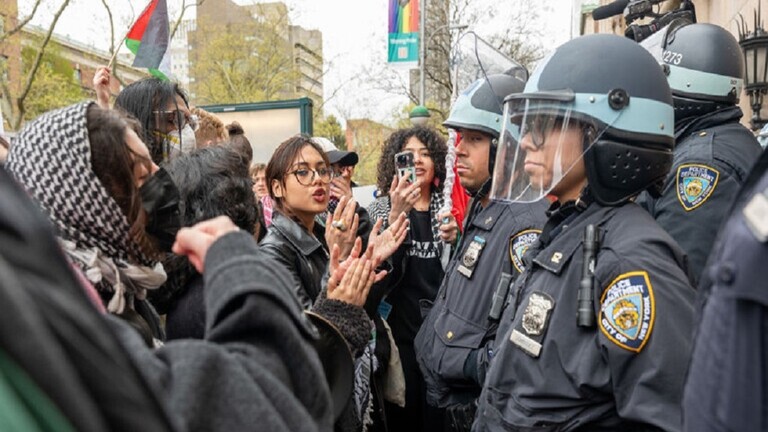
485, 188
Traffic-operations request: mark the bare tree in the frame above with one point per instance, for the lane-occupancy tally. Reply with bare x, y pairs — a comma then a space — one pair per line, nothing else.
20, 25
16, 104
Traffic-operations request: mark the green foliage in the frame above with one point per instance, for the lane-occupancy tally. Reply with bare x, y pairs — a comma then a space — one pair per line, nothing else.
247, 62
54, 85
330, 128
366, 169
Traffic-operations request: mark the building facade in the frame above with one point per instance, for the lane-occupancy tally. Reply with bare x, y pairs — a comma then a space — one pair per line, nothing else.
304, 45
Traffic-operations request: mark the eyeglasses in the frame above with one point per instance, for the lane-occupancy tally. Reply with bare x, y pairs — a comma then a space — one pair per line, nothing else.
178, 118
306, 176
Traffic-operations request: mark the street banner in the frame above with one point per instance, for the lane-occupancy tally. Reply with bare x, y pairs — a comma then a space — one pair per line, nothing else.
404, 31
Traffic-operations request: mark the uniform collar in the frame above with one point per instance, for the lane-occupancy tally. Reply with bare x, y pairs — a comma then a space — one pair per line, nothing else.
726, 115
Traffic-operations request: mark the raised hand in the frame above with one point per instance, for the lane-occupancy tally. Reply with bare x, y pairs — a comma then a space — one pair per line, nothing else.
381, 245
402, 196
101, 84
355, 284
341, 227
195, 241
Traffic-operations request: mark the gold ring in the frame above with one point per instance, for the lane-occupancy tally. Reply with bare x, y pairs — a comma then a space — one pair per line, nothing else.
339, 225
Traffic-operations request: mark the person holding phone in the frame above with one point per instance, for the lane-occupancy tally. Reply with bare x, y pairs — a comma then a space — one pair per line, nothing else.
412, 171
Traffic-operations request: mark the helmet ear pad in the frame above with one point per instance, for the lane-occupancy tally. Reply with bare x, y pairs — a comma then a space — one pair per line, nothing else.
618, 171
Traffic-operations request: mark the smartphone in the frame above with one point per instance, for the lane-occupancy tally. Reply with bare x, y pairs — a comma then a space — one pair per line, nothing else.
405, 166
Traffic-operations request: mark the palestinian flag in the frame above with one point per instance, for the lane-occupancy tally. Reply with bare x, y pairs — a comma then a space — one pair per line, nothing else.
149, 40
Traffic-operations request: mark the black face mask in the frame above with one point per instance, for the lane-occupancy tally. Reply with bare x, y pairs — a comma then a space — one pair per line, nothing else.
160, 199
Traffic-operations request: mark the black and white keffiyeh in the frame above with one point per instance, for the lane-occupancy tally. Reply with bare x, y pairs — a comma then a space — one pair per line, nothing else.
51, 159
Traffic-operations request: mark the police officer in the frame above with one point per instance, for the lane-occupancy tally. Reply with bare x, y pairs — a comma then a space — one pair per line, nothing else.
714, 152
727, 385
452, 346
597, 333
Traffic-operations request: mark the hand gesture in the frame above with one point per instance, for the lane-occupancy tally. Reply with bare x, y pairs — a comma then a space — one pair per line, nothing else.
341, 226
101, 85
355, 284
195, 241
381, 245
449, 229
340, 187
402, 196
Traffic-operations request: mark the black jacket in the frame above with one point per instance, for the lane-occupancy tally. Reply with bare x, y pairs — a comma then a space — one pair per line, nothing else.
713, 155
305, 257
626, 372
304, 260
257, 366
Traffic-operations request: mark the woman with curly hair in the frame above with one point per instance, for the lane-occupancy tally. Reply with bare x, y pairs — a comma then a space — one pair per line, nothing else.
417, 269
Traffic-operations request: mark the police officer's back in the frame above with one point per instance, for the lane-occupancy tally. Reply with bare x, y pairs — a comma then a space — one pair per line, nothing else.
713, 152
453, 343
597, 333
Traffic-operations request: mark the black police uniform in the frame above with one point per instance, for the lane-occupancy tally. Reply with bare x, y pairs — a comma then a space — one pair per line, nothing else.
713, 156
627, 372
727, 385
453, 343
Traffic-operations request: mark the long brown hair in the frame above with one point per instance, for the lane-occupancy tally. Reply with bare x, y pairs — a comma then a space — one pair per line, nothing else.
112, 161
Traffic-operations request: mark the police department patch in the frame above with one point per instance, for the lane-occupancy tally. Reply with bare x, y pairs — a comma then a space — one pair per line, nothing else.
627, 310
519, 244
695, 183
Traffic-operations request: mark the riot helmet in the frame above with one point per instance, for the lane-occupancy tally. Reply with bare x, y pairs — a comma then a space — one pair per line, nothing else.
479, 107
704, 66
601, 99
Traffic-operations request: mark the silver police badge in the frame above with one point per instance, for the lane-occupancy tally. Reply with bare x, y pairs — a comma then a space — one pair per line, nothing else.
471, 256
536, 313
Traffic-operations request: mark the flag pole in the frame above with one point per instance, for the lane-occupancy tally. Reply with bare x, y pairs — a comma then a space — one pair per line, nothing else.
117, 48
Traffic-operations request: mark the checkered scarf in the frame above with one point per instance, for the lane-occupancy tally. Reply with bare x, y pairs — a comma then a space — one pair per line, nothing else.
51, 159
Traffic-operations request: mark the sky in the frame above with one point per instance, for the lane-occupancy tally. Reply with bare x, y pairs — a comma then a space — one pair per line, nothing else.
354, 39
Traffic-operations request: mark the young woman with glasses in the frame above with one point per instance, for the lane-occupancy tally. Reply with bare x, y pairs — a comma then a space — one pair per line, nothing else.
298, 178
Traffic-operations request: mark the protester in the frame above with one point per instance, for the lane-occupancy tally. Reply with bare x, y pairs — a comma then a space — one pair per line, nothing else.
258, 172
417, 269
211, 129
488, 259
212, 181
713, 151
97, 178
299, 175
162, 109
597, 334
71, 368
343, 166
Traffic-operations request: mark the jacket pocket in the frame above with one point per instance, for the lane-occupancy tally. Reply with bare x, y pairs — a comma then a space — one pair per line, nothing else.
458, 337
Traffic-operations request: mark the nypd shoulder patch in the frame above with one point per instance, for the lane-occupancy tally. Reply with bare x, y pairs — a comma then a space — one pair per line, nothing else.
695, 184
627, 310
519, 244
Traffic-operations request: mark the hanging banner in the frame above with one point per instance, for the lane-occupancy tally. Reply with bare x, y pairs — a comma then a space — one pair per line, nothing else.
404, 31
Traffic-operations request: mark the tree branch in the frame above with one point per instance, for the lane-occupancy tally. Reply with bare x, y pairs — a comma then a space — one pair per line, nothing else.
21, 24
36, 66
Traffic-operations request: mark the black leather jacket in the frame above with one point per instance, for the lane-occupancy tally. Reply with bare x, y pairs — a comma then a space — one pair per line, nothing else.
301, 253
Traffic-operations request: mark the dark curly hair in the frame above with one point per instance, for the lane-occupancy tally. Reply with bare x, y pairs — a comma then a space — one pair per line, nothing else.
434, 142
212, 181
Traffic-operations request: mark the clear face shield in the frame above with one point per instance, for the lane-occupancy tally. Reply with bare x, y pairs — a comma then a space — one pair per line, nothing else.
542, 147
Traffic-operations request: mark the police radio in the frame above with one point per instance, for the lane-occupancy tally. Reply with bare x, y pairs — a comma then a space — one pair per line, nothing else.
586, 298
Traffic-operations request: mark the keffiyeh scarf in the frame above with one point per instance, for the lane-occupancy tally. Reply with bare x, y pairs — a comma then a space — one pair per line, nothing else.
51, 159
